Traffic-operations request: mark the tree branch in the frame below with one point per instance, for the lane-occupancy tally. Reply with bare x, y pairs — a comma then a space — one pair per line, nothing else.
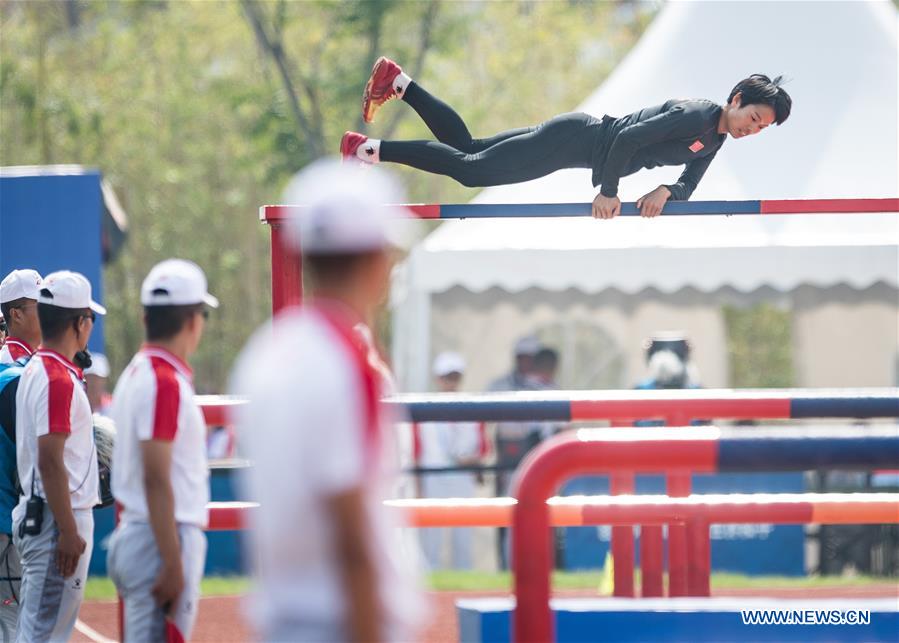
276, 51
424, 45
374, 48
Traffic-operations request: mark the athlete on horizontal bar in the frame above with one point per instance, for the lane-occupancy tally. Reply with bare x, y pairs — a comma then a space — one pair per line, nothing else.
677, 132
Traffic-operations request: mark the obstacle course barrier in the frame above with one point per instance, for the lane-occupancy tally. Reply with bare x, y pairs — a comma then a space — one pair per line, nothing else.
701, 450
287, 276
272, 214
676, 407
582, 511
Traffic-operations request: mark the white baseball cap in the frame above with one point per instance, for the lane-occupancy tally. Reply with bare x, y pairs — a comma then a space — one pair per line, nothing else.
448, 362
528, 345
99, 365
176, 282
68, 289
343, 208
20, 283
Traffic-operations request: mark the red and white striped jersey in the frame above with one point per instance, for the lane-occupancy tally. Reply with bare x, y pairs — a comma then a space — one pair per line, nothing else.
15, 349
154, 400
52, 399
314, 428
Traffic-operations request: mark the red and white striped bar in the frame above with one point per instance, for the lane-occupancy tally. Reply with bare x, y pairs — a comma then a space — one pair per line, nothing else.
624, 405
584, 511
277, 213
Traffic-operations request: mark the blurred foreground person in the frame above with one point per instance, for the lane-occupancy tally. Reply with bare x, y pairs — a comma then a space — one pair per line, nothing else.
330, 565
161, 478
53, 523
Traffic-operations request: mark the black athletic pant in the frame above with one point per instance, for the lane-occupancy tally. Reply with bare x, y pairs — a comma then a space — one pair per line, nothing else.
510, 157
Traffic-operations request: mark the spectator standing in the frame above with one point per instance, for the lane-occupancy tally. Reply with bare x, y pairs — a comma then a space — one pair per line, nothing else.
514, 439
19, 292
53, 523
446, 445
546, 366
161, 477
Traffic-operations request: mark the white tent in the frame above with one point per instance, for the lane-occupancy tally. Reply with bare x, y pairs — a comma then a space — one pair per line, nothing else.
840, 141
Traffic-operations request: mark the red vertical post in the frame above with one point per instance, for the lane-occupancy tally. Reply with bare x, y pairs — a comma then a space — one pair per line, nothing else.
287, 272
678, 486
541, 473
699, 558
652, 573
622, 544
651, 562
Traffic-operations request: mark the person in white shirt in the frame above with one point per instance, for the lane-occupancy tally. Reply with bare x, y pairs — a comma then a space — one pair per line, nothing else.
443, 445
53, 524
18, 305
19, 325
330, 563
161, 478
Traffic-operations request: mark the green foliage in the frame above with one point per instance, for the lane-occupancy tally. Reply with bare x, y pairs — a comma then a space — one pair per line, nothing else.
188, 116
759, 343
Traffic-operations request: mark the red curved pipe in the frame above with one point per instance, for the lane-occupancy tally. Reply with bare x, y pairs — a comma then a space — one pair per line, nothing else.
542, 472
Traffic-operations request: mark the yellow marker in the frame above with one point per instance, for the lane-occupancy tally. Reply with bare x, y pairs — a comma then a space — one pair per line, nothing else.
607, 584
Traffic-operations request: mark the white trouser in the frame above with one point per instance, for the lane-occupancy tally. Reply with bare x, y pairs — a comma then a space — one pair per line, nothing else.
134, 564
49, 603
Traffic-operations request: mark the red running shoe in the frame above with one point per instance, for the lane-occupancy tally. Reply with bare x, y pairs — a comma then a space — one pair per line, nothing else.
349, 144
379, 88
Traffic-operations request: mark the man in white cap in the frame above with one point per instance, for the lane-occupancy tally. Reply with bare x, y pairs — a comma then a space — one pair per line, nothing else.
329, 567
53, 524
18, 311
160, 478
18, 303
444, 445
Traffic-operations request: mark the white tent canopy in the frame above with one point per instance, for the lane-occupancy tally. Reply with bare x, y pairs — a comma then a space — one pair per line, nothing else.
667, 254
840, 59
840, 141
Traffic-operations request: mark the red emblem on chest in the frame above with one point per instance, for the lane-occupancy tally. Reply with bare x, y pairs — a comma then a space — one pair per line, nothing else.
696, 146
